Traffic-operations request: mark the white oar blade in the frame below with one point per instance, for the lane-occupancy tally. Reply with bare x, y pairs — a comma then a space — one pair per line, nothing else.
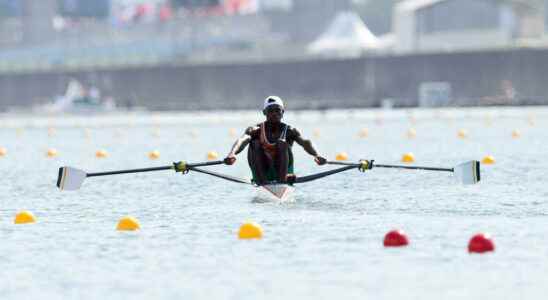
468, 172
70, 179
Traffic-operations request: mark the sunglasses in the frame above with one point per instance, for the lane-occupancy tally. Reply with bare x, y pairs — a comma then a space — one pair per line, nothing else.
274, 108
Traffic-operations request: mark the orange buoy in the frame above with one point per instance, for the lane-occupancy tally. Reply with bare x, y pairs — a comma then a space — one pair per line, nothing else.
232, 132
516, 134
481, 243
24, 217
3, 151
212, 155
51, 153
363, 133
396, 238
154, 154
128, 223
462, 134
316, 133
250, 230
101, 153
408, 157
342, 156
488, 160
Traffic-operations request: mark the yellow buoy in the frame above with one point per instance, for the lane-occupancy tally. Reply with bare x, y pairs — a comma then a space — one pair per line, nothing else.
462, 133
101, 153
128, 224
51, 153
3, 151
250, 230
154, 154
488, 160
212, 155
516, 134
24, 217
363, 133
341, 156
408, 157
411, 133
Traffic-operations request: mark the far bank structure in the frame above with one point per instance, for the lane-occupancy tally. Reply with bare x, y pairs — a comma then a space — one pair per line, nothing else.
496, 58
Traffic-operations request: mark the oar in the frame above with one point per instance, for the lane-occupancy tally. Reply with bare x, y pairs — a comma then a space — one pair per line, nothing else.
467, 173
312, 177
71, 179
222, 176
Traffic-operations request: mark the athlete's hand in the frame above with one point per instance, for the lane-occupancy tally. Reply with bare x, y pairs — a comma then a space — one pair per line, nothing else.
230, 159
320, 160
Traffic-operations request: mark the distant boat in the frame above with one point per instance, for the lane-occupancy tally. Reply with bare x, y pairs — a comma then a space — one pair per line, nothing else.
77, 100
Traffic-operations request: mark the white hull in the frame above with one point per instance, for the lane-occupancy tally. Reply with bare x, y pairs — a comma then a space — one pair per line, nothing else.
274, 193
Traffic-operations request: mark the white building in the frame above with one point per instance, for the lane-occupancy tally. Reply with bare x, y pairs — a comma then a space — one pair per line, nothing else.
347, 36
445, 25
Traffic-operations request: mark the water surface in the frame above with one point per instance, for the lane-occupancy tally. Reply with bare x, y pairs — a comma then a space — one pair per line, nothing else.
326, 245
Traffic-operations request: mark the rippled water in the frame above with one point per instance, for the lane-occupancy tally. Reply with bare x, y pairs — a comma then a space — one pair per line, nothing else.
326, 245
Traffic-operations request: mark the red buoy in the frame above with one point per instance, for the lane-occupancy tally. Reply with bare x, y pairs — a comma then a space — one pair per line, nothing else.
481, 243
396, 238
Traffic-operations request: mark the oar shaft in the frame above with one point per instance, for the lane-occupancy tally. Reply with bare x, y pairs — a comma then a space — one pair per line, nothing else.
413, 168
203, 164
222, 176
340, 163
324, 174
129, 171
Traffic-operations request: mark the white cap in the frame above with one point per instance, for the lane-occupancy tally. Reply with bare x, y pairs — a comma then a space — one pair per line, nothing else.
273, 100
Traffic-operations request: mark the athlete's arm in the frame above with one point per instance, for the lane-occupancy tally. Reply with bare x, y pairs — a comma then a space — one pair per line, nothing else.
307, 146
239, 146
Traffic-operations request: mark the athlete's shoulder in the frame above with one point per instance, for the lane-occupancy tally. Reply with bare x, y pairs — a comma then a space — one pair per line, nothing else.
293, 132
252, 130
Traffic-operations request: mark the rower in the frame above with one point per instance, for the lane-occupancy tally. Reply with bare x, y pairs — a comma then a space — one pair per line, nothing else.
269, 154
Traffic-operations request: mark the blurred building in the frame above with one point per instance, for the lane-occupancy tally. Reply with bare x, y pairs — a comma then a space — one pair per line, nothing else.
306, 19
443, 25
545, 19
81, 34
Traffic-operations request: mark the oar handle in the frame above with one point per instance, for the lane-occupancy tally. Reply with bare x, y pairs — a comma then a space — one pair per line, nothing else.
204, 164
171, 167
340, 163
